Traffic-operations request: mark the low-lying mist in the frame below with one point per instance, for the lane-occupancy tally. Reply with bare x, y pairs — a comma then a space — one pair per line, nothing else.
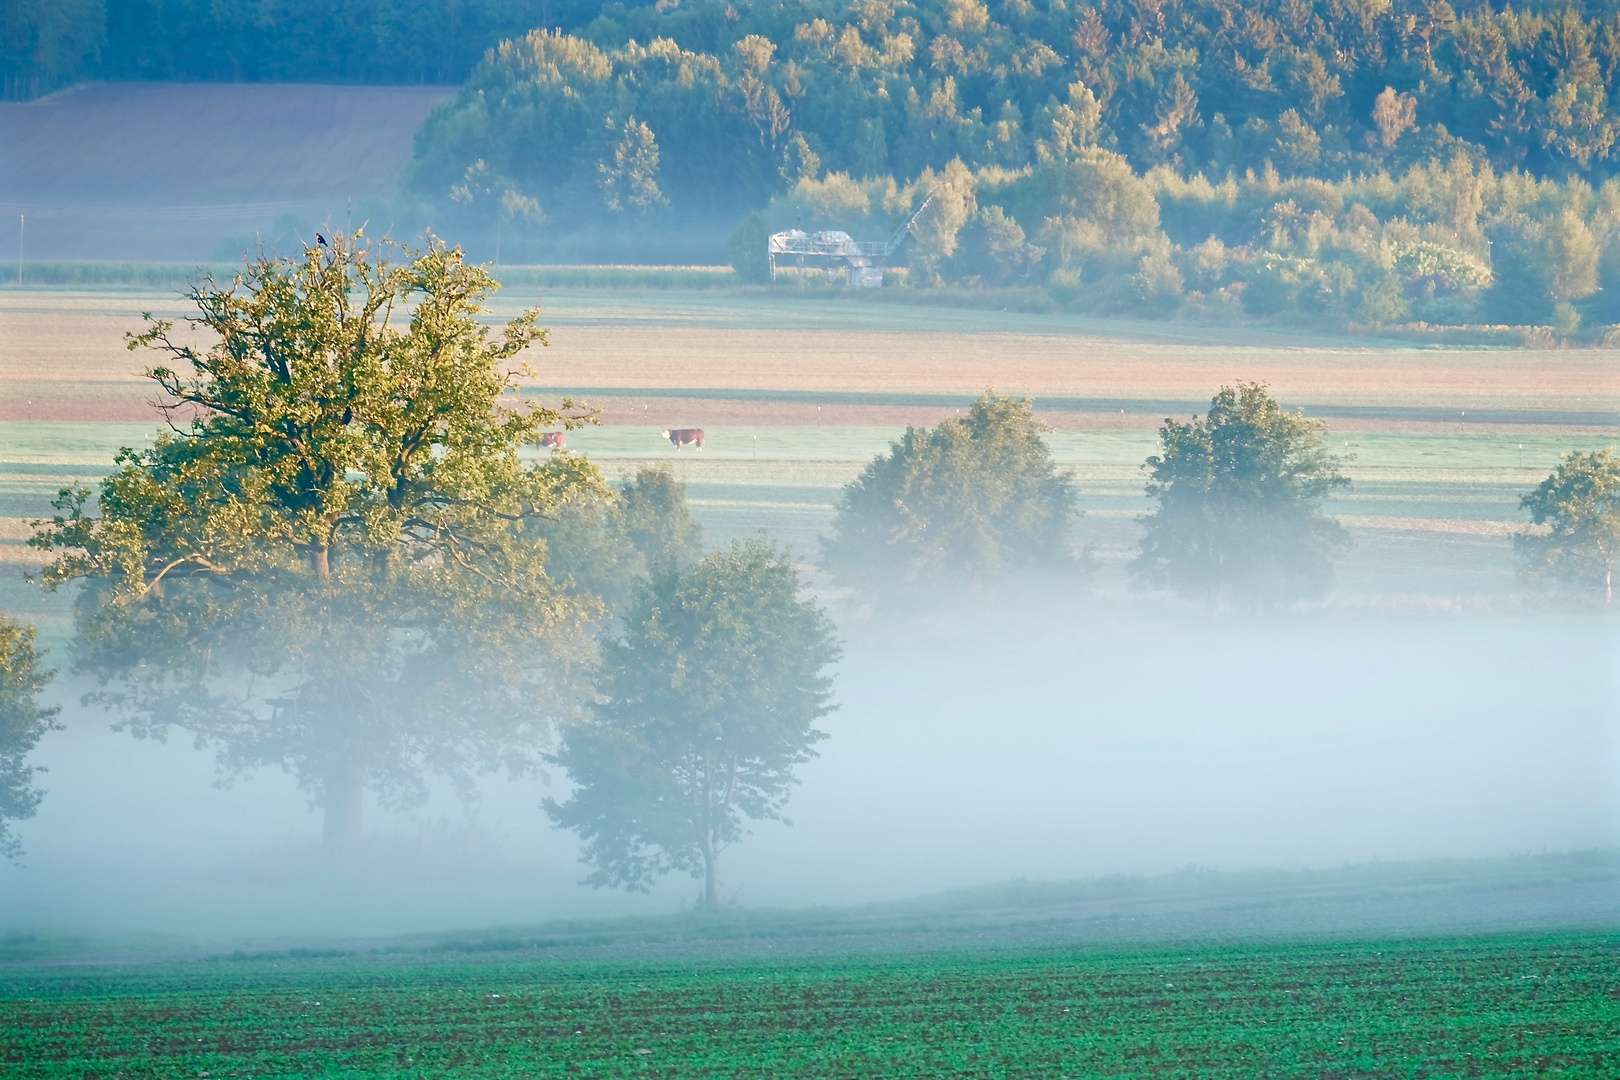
972, 745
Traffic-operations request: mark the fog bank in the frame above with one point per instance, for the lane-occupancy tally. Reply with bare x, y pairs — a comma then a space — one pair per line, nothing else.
970, 747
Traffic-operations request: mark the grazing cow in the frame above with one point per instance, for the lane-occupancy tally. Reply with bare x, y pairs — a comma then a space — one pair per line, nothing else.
553, 440
685, 436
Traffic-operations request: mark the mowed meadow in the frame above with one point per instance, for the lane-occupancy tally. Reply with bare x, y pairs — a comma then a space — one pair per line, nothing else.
797, 392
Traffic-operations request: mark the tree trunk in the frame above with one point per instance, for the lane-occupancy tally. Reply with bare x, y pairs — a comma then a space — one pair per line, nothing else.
344, 803
320, 561
711, 873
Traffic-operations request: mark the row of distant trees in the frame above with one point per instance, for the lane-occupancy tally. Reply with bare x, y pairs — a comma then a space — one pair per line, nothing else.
766, 91
337, 561
1398, 164
1444, 244
1237, 511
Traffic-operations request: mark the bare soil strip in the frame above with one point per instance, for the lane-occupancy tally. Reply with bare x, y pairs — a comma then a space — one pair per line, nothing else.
937, 403
63, 356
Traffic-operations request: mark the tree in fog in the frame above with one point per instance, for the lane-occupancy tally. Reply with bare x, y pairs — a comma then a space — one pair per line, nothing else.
1238, 498
975, 499
1579, 507
324, 564
657, 518
22, 722
709, 702
603, 541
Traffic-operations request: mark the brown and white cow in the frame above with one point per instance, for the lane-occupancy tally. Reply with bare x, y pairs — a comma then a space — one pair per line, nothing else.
553, 440
686, 436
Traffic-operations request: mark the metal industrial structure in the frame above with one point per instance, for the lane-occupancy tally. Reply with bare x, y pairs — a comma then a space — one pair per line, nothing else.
831, 250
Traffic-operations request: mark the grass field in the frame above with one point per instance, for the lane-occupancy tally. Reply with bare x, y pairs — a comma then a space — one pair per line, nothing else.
798, 392
1434, 509
1378, 974
1509, 1006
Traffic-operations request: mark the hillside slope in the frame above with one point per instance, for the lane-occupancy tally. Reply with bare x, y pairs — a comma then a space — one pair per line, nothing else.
169, 171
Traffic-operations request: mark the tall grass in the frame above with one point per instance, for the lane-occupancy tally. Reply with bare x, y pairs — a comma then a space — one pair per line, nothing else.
108, 274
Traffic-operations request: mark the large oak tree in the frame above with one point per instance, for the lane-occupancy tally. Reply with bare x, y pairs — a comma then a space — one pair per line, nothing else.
329, 563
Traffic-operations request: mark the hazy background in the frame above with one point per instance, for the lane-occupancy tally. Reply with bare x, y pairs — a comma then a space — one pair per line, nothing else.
971, 746
198, 173
1435, 709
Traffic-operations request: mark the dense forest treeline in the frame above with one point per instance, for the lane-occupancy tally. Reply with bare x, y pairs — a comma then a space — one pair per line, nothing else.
48, 44
1371, 164
1443, 244
1368, 162
877, 88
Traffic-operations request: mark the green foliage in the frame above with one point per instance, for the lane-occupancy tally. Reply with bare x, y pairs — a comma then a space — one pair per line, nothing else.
1076, 145
325, 565
1528, 1005
22, 722
1210, 87
1578, 507
1238, 495
710, 701
47, 44
657, 519
975, 499
746, 250
495, 200
377, 41
589, 131
602, 542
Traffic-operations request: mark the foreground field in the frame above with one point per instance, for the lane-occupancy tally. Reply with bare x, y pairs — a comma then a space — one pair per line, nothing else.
1497, 1007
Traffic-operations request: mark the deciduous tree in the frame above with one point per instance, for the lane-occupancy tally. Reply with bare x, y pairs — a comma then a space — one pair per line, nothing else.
710, 702
975, 499
324, 564
603, 542
1578, 506
1238, 498
22, 721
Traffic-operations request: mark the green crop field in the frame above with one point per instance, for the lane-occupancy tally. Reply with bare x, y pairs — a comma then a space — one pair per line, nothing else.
1432, 510
786, 480
1493, 1007
797, 392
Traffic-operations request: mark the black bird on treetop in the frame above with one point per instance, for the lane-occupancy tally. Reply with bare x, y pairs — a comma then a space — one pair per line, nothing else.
321, 240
